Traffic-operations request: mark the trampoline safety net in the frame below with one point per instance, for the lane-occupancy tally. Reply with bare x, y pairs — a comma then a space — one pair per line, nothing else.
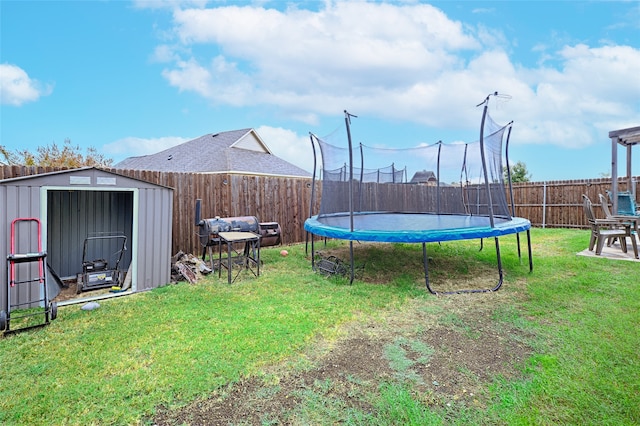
435, 179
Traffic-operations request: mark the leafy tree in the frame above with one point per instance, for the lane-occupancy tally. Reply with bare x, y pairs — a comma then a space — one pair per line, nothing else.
519, 173
68, 155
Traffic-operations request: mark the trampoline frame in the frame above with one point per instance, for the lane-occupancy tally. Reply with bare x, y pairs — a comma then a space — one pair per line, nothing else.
315, 226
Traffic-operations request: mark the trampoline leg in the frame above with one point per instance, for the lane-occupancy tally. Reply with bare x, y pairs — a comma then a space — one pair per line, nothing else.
530, 253
425, 260
519, 252
500, 271
351, 255
313, 255
497, 287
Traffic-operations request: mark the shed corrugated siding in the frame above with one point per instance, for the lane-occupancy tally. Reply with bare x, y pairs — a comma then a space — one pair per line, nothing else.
75, 215
19, 202
154, 238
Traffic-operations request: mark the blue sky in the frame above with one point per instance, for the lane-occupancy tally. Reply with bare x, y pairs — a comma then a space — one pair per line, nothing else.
135, 77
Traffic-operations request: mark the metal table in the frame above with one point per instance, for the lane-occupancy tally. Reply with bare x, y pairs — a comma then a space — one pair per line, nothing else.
249, 258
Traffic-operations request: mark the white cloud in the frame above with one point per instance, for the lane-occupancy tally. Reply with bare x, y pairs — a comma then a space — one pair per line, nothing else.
313, 60
17, 88
134, 147
189, 76
596, 90
164, 53
406, 62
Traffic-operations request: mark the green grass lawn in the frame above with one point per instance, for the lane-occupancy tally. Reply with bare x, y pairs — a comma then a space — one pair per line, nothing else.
168, 347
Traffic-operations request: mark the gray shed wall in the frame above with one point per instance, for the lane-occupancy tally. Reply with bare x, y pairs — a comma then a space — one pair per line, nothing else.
147, 207
155, 219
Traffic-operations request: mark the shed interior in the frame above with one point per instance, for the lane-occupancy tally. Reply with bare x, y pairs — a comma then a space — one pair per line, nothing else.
75, 215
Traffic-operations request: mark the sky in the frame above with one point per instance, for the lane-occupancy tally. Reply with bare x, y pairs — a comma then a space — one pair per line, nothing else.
135, 77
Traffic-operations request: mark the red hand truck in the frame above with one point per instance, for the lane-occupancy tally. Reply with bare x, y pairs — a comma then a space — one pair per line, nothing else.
22, 312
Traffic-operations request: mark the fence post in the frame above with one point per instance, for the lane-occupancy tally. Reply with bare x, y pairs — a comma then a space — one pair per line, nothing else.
544, 204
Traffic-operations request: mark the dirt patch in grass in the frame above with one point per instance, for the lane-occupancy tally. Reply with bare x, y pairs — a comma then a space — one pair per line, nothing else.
447, 349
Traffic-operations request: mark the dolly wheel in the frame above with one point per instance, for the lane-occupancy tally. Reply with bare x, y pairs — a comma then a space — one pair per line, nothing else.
53, 310
3, 320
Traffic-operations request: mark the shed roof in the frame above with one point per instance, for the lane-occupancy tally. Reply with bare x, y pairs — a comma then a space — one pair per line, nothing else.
92, 175
237, 151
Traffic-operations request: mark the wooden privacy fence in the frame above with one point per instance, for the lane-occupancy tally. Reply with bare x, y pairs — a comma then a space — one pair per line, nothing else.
558, 204
555, 204
270, 199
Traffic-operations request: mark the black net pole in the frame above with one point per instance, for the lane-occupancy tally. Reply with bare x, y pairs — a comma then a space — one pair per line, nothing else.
464, 179
361, 178
347, 120
438, 180
484, 161
513, 204
313, 194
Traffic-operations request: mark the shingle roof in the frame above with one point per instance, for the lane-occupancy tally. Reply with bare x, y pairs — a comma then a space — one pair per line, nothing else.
424, 176
215, 153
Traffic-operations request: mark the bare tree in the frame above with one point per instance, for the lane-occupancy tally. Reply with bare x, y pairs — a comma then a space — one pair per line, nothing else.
6, 156
68, 155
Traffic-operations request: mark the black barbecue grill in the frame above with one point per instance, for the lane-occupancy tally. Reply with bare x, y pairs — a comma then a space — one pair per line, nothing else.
208, 230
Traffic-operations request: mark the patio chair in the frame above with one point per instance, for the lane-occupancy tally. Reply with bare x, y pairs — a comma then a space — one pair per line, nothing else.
604, 203
634, 220
628, 220
626, 204
604, 229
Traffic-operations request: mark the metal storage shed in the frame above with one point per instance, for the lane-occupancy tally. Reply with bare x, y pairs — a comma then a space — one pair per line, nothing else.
75, 203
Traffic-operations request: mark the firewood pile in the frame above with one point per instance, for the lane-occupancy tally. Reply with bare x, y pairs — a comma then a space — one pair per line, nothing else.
187, 267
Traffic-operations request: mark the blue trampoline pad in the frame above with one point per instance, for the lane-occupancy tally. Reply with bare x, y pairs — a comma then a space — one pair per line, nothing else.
412, 227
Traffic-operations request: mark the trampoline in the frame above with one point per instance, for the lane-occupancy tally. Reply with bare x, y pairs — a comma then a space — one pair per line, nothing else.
380, 204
